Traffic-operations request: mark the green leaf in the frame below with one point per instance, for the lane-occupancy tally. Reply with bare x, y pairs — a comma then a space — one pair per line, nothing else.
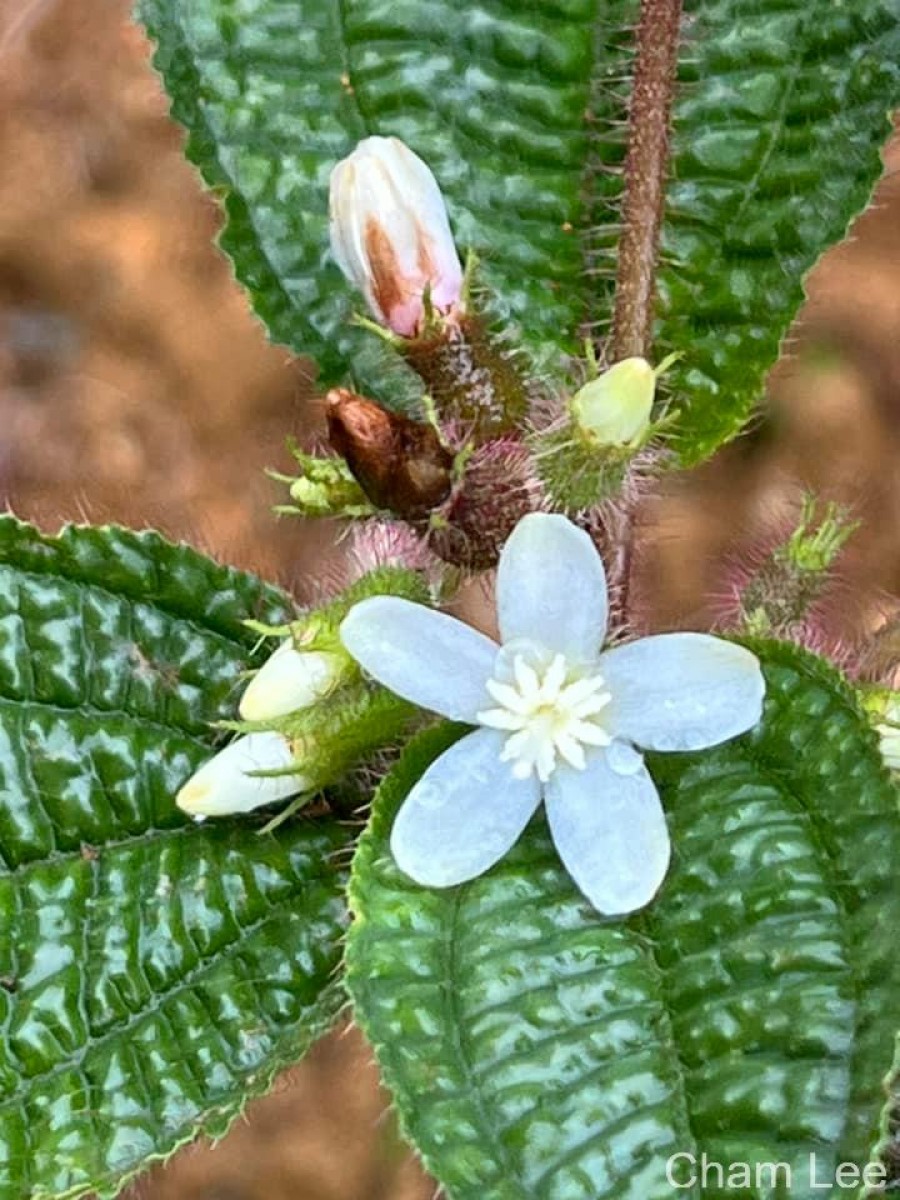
153, 972
782, 112
538, 1051
493, 96
519, 109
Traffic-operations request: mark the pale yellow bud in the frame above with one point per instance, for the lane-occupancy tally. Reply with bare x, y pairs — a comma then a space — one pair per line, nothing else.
291, 679
227, 783
615, 408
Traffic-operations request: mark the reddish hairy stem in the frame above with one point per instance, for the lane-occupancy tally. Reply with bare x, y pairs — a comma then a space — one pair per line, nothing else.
646, 165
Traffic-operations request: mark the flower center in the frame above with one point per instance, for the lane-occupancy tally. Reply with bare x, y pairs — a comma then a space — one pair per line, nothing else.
548, 716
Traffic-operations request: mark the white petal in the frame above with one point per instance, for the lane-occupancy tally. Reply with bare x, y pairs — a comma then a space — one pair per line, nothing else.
425, 656
224, 785
682, 691
610, 831
463, 815
551, 587
289, 680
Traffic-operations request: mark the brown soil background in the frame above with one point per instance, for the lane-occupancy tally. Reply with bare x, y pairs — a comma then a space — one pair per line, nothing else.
136, 387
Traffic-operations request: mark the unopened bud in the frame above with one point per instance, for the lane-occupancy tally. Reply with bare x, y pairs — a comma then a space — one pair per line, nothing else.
289, 680
615, 408
400, 464
324, 487
781, 588
227, 782
819, 537
391, 237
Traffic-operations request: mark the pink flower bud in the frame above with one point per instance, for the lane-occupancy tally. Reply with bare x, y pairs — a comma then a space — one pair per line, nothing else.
391, 236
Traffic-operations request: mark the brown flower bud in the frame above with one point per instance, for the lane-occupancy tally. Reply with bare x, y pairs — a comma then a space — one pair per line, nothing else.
400, 464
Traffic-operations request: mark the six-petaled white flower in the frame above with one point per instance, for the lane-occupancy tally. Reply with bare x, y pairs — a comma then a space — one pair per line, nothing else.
390, 234
558, 718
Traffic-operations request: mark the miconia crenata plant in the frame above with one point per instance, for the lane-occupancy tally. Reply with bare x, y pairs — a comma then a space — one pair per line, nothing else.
623, 918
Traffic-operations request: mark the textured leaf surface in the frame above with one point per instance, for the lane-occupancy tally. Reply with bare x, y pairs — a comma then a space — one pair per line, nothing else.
539, 1051
492, 95
782, 113
153, 973
519, 110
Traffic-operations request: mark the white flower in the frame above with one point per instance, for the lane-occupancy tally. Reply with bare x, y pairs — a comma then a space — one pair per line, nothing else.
227, 783
290, 679
390, 234
614, 409
557, 718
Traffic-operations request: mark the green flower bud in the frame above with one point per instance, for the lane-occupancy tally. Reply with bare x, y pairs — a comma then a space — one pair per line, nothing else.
324, 488
614, 409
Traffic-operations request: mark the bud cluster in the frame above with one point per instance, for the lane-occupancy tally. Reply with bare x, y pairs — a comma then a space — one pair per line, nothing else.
450, 483
479, 455
307, 715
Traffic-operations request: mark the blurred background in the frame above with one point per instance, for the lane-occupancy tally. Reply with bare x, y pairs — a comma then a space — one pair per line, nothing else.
136, 387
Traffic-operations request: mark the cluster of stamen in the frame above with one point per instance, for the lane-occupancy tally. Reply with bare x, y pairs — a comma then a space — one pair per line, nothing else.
548, 716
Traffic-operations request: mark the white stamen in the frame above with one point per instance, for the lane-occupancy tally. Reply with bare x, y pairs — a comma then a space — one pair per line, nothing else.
547, 717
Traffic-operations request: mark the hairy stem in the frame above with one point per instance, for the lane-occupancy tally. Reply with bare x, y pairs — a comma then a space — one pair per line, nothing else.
646, 164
